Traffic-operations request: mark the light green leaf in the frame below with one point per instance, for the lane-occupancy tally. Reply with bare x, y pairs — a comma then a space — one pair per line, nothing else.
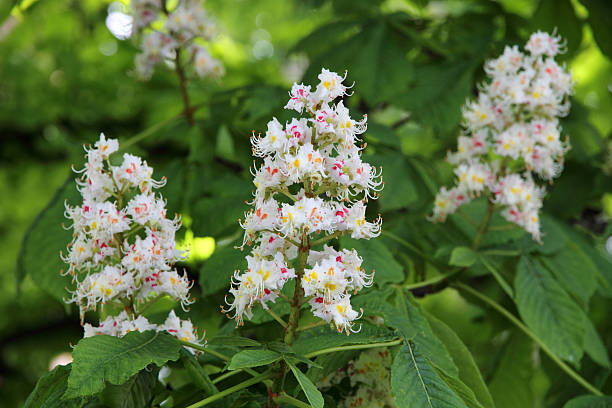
415, 383
469, 373
253, 358
377, 258
589, 401
549, 311
310, 390
462, 256
460, 389
49, 390
135, 393
101, 359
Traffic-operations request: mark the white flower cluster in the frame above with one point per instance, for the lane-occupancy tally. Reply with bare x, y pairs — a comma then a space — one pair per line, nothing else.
312, 181
370, 374
513, 136
123, 246
186, 27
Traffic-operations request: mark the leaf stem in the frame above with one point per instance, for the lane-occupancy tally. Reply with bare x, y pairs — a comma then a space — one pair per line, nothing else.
277, 318
227, 375
354, 347
501, 252
568, 370
287, 399
312, 325
431, 281
326, 238
245, 384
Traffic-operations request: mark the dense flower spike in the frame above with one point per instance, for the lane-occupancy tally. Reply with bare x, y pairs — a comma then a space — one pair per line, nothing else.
123, 250
311, 184
164, 32
512, 134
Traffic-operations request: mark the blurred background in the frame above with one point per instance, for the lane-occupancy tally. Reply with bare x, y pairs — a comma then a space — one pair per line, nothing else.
64, 78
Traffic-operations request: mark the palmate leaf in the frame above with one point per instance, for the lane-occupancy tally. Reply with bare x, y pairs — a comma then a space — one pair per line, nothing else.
415, 383
101, 359
549, 311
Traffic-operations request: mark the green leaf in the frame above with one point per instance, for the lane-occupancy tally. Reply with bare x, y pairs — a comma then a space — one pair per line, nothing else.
39, 256
549, 311
415, 383
400, 189
197, 373
589, 401
225, 145
217, 270
377, 258
574, 271
463, 256
411, 322
511, 383
5, 9
101, 359
135, 393
49, 390
328, 364
498, 277
253, 358
234, 341
310, 390
460, 389
594, 346
321, 338
559, 15
600, 19
469, 373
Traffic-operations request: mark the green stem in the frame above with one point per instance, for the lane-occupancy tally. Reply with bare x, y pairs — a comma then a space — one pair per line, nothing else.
354, 347
431, 281
148, 132
502, 252
287, 399
327, 238
532, 335
227, 375
484, 225
277, 318
312, 325
214, 353
188, 110
231, 390
405, 243
298, 293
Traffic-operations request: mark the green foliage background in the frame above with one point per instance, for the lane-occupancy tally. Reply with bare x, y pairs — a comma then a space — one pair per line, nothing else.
64, 78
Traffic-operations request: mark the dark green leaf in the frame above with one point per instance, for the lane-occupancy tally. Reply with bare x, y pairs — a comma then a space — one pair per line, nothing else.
600, 19
589, 401
137, 392
559, 15
253, 358
49, 390
197, 373
101, 359
310, 390
498, 276
469, 373
594, 346
549, 311
415, 383
400, 190
234, 341
40, 251
217, 270
574, 271
377, 258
